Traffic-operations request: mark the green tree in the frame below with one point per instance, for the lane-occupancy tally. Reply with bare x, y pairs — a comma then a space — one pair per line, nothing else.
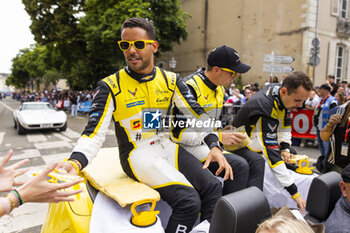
52, 77
54, 20
55, 25
26, 68
169, 20
19, 76
29, 68
81, 36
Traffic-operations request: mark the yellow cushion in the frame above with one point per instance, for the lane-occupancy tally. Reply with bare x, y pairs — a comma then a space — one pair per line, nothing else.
106, 174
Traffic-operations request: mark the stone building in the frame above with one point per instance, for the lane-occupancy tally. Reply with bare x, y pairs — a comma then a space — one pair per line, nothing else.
258, 27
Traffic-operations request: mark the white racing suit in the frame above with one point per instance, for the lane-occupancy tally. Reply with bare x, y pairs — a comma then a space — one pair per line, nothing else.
136, 102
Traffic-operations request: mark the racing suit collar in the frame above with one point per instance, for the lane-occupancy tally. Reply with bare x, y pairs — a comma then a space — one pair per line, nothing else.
141, 77
205, 79
278, 99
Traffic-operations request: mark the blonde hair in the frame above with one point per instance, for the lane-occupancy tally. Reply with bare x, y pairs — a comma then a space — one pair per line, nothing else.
281, 224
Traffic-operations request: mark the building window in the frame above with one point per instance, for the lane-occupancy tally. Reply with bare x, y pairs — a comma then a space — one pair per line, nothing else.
344, 5
339, 63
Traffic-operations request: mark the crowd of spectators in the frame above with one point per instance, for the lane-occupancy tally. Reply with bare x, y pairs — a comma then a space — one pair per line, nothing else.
237, 98
63, 100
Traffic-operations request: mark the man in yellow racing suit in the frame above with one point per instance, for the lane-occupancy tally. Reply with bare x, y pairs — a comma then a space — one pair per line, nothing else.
207, 86
136, 97
266, 117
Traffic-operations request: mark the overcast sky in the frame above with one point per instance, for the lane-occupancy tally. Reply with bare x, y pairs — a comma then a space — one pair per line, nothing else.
14, 32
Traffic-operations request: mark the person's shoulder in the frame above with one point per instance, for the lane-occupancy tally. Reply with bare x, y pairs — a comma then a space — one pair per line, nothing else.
267, 94
110, 82
200, 71
112, 77
263, 101
188, 77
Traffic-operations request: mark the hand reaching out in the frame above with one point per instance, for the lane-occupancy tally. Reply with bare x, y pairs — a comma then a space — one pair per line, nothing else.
8, 174
39, 190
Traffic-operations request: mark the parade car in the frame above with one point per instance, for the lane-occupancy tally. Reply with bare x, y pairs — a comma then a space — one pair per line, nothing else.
38, 115
240, 211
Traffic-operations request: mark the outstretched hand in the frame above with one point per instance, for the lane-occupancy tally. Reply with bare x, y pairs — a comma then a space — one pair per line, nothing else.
8, 174
39, 190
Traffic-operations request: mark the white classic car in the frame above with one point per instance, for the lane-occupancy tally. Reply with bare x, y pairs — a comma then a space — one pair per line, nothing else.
38, 115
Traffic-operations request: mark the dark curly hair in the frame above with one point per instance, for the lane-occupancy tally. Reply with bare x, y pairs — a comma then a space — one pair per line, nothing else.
141, 23
295, 80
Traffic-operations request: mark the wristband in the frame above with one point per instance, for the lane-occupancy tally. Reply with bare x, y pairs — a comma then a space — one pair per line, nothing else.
5, 203
74, 164
215, 144
12, 201
15, 192
295, 195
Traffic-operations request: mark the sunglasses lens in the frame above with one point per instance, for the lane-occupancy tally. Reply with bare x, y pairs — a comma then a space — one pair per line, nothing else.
124, 45
139, 44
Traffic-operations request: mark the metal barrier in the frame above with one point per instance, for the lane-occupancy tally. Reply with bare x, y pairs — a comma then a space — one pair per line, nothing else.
228, 113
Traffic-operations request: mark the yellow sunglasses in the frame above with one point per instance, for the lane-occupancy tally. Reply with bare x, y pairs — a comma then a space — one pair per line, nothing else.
124, 45
230, 71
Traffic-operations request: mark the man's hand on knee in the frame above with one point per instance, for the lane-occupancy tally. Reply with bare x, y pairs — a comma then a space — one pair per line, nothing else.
216, 155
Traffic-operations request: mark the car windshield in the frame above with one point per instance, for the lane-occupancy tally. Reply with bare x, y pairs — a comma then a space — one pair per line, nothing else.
37, 107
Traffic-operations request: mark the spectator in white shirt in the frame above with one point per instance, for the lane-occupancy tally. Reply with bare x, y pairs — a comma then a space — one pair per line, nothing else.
312, 101
236, 96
